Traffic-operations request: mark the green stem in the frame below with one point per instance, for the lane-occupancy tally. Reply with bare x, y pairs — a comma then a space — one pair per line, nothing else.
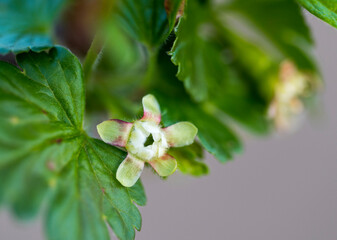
91, 58
150, 76
97, 45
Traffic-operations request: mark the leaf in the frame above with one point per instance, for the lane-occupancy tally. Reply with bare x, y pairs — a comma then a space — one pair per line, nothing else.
145, 20
44, 152
215, 137
88, 194
288, 36
187, 158
260, 40
27, 25
124, 52
323, 9
200, 64
173, 7
230, 54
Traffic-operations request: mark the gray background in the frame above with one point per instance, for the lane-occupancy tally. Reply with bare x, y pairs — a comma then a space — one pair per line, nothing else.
280, 188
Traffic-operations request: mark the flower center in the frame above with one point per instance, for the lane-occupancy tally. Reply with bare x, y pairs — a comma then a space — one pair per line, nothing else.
147, 141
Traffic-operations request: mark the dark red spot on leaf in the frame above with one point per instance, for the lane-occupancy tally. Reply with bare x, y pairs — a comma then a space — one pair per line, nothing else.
51, 165
59, 140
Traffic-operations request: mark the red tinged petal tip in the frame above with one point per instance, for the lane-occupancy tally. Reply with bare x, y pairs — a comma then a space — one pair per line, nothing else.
151, 109
115, 132
164, 166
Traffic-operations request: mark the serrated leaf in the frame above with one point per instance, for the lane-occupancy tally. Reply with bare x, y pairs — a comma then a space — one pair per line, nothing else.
44, 152
88, 194
214, 134
145, 20
207, 71
200, 64
323, 9
27, 25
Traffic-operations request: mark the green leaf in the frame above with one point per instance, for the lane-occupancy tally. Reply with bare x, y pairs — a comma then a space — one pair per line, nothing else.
173, 9
323, 9
145, 20
123, 52
27, 25
45, 154
230, 54
286, 37
187, 158
88, 194
214, 135
260, 40
200, 64
208, 74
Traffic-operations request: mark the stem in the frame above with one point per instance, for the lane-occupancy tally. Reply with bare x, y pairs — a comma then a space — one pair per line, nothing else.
151, 68
90, 61
91, 58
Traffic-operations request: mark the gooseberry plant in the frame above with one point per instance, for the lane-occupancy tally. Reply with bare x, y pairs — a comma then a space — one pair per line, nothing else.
202, 68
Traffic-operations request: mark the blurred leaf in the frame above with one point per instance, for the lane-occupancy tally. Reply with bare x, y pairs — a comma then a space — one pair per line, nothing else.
187, 158
27, 25
260, 39
324, 9
288, 36
44, 151
123, 52
146, 20
215, 137
240, 99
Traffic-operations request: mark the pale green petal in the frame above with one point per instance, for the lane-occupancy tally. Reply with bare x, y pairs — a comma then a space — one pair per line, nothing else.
129, 171
164, 166
151, 109
115, 132
180, 134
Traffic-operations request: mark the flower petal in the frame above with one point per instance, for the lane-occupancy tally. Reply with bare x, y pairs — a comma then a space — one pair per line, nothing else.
115, 132
151, 109
129, 171
180, 134
164, 166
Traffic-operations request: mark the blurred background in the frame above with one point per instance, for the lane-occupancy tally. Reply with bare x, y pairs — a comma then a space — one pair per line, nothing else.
281, 187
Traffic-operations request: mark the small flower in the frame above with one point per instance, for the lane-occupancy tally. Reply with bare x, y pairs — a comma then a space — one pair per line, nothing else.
146, 141
287, 104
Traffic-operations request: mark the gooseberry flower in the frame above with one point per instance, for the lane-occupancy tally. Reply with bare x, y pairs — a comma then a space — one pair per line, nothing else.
287, 104
146, 141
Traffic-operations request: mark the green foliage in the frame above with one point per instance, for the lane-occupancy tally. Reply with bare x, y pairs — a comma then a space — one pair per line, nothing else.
216, 49
216, 138
27, 25
188, 159
44, 152
288, 37
324, 9
201, 66
221, 68
146, 20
